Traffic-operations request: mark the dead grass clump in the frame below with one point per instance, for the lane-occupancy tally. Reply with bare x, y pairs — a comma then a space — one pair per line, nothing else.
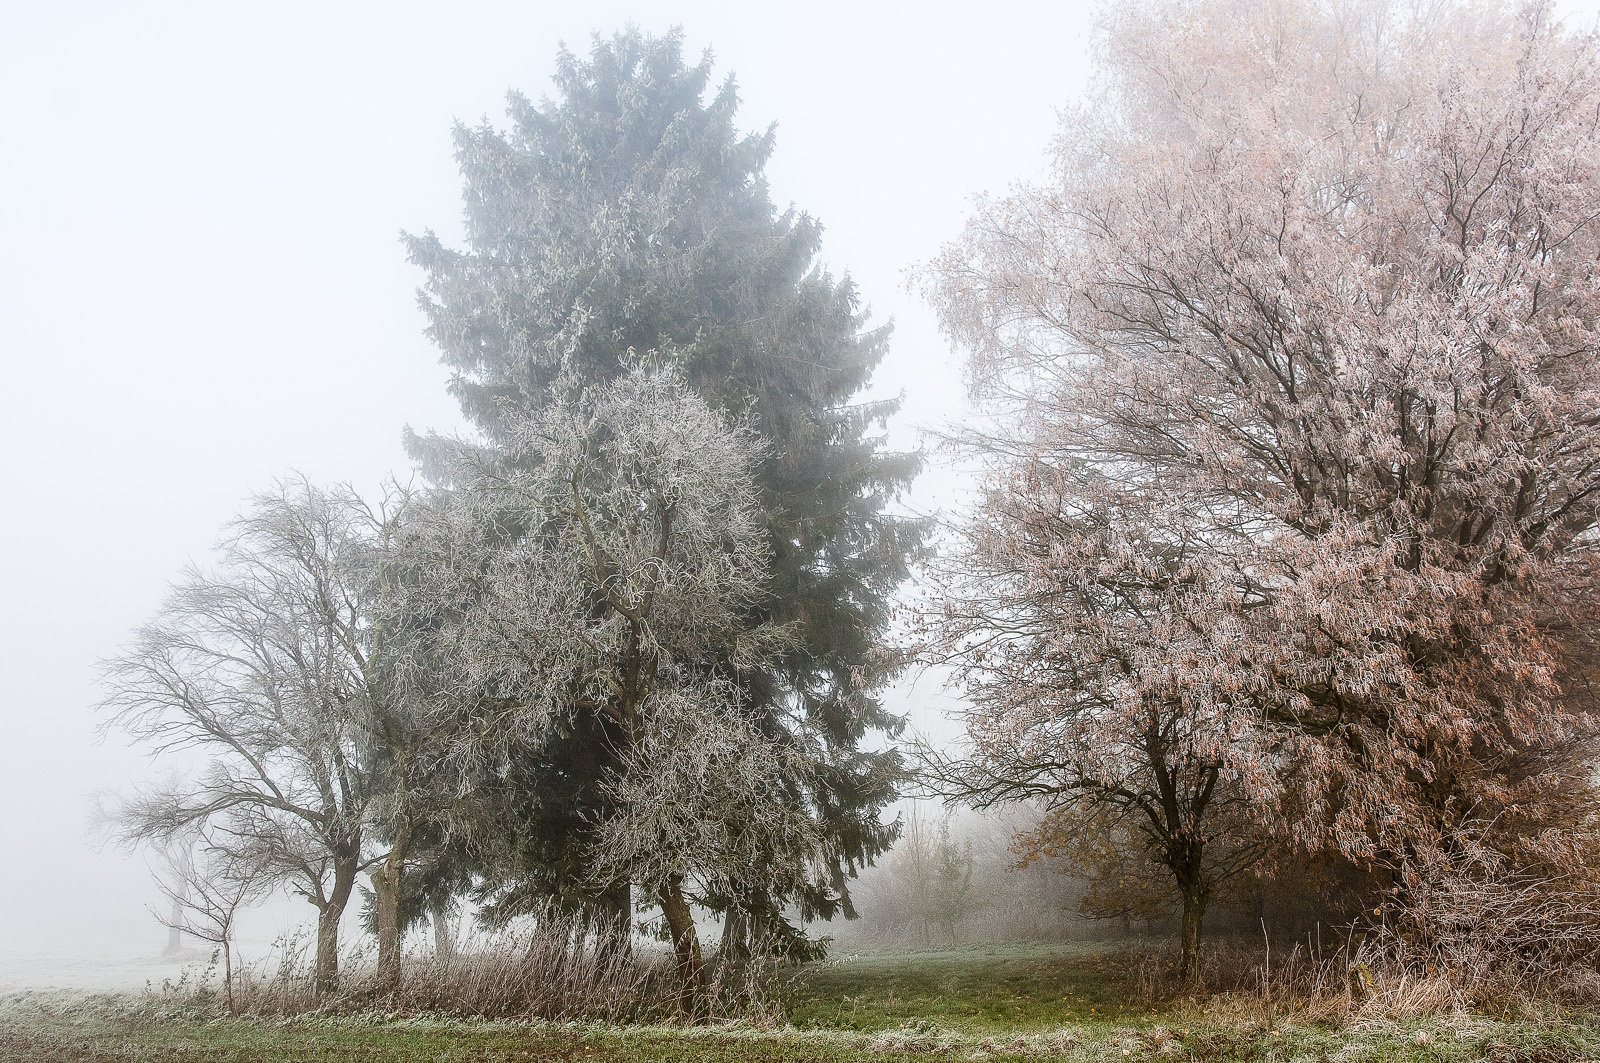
921, 1036
1378, 975
1508, 928
556, 968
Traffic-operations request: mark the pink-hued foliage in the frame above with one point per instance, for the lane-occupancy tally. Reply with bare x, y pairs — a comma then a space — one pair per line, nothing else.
1292, 380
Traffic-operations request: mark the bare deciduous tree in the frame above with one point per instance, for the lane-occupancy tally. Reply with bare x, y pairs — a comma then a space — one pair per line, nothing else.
207, 889
264, 665
1093, 689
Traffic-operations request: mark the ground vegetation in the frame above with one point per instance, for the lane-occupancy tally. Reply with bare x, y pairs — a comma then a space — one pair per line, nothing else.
1020, 1003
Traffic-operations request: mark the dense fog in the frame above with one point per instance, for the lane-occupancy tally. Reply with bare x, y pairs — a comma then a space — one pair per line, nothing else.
204, 288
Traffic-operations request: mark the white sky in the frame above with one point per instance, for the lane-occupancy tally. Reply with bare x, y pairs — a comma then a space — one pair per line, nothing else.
201, 287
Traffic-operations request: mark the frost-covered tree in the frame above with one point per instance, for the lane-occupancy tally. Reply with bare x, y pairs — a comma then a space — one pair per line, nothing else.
416, 727
266, 665
209, 880
1099, 681
629, 214
1292, 366
606, 559
703, 807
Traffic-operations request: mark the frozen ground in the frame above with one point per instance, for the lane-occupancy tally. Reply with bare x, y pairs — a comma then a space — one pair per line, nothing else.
72, 969
105, 969
128, 955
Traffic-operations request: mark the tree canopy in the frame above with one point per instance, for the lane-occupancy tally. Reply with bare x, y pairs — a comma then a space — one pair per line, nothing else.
1293, 364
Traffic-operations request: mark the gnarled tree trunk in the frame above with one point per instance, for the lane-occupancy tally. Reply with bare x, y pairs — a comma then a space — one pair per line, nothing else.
1194, 913
328, 916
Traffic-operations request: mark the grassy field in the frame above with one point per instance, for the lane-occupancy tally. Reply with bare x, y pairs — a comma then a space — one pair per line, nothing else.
1063, 1002
986, 990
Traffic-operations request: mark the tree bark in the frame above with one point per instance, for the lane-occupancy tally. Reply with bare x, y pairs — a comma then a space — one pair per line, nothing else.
386, 892
685, 943
1194, 913
344, 880
174, 935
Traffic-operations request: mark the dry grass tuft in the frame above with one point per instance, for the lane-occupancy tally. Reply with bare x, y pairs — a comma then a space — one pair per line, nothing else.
555, 968
1379, 977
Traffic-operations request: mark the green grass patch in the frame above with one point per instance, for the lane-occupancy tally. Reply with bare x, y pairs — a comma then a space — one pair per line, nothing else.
987, 989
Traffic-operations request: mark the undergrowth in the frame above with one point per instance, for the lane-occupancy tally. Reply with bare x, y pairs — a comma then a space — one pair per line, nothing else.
1076, 1002
557, 969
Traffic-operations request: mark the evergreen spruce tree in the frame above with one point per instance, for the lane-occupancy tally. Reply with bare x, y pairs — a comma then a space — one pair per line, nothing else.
629, 218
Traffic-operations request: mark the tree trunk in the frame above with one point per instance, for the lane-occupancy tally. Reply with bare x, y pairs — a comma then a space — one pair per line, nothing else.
344, 880
1194, 913
444, 932
734, 949
174, 935
613, 920
386, 892
227, 973
327, 950
684, 941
